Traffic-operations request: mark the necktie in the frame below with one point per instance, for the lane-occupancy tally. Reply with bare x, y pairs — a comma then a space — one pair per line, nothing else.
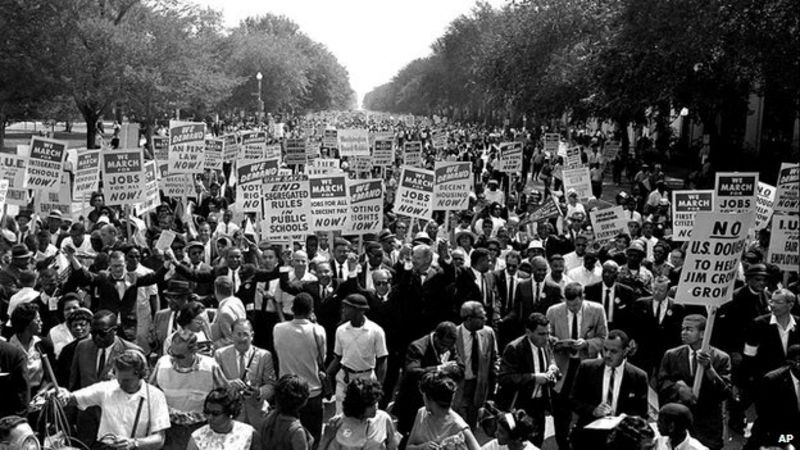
120, 285
609, 304
483, 288
694, 362
538, 286
542, 364
101, 364
475, 356
658, 312
174, 321
341, 272
610, 393
235, 281
242, 367
574, 332
511, 294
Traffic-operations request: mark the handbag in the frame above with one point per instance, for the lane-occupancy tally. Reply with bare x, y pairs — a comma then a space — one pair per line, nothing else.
327, 387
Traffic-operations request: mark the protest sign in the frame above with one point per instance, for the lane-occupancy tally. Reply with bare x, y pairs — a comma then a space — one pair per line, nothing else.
578, 178
46, 201
312, 150
736, 192
365, 213
383, 152
322, 166
509, 158
213, 159
249, 198
123, 177
380, 136
253, 145
787, 189
180, 185
161, 154
250, 171
611, 150
286, 206
165, 239
546, 210
87, 174
608, 223
330, 138
3, 191
412, 153
439, 139
328, 202
784, 246
685, 205
353, 142
45, 164
230, 148
272, 151
573, 157
453, 185
551, 141
414, 196
295, 152
186, 147
712, 258
764, 200
360, 164
13, 170
151, 196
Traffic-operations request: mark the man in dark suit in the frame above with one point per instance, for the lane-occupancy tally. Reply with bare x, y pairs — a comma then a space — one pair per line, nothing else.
475, 282
617, 299
676, 378
92, 363
534, 294
424, 355
423, 290
528, 372
656, 325
203, 292
115, 290
553, 243
769, 337
607, 387
341, 248
15, 395
778, 405
374, 261
507, 281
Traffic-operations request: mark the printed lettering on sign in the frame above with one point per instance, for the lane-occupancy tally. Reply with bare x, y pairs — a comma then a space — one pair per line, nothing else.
123, 177
365, 214
186, 147
453, 185
685, 205
45, 164
414, 197
286, 206
329, 202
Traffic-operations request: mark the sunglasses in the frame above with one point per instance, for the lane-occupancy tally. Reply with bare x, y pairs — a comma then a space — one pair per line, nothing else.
381, 283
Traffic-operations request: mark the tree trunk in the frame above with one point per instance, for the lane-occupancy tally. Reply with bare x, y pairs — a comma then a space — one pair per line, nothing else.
91, 129
2, 131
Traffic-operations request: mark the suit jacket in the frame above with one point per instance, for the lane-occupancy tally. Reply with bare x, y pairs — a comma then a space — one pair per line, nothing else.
362, 274
623, 302
776, 408
421, 358
501, 281
487, 364
466, 288
587, 389
735, 316
260, 374
427, 303
516, 363
526, 298
104, 291
162, 330
763, 349
250, 276
204, 290
84, 364
15, 395
653, 339
593, 329
707, 411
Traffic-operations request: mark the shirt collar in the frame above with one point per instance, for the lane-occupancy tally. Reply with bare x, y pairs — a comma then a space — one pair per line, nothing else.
477, 274
789, 327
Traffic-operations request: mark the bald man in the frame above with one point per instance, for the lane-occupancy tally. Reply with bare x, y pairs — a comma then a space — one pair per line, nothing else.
616, 298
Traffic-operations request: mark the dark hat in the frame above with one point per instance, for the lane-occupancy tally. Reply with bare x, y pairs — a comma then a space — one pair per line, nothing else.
756, 270
25, 213
356, 301
21, 251
340, 241
177, 288
195, 244
179, 242
385, 234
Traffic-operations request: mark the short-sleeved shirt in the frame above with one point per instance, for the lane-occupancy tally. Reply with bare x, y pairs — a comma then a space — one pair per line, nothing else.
119, 408
360, 347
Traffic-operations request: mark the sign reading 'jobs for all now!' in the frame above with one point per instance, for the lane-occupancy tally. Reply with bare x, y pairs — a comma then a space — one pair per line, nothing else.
414, 196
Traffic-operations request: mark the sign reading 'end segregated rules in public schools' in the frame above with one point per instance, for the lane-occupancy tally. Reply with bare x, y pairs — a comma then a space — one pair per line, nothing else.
414, 197
45, 163
187, 147
286, 206
366, 206
712, 258
329, 202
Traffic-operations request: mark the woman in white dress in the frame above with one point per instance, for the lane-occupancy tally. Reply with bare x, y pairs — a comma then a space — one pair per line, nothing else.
222, 432
362, 426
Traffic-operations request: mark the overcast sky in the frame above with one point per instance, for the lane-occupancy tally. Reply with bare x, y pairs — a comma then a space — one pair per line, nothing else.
373, 39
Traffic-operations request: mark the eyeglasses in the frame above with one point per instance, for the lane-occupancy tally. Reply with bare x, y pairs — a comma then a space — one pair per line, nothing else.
381, 283
102, 333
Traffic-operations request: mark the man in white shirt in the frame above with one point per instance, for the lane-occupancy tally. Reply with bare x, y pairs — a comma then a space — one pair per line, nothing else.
674, 421
589, 272
556, 274
229, 311
299, 274
360, 348
574, 259
134, 413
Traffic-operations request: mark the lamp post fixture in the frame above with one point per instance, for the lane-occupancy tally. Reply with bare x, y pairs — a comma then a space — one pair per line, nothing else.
260, 102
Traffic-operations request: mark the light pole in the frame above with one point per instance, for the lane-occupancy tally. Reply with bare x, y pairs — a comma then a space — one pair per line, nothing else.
260, 102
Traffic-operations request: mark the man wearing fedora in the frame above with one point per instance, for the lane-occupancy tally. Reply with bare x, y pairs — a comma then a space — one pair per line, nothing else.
20, 262
387, 239
360, 348
165, 323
